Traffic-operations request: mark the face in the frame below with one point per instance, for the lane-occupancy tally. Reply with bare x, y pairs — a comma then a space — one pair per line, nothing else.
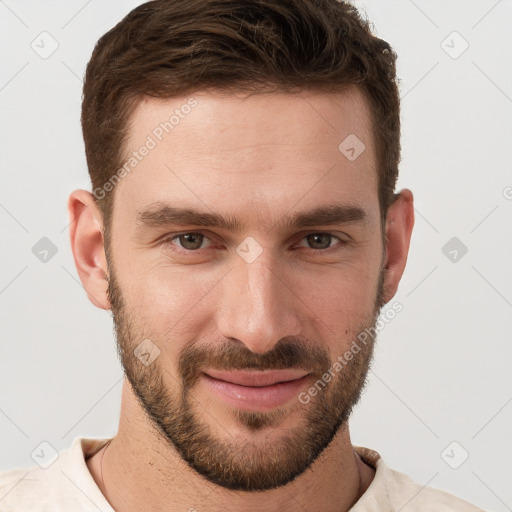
225, 319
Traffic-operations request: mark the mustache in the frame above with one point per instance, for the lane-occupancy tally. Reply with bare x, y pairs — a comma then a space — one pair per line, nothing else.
287, 353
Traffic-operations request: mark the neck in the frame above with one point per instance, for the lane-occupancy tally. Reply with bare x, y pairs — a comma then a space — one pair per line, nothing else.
140, 468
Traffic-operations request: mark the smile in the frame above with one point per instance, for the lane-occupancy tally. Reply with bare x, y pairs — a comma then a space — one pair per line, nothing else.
256, 390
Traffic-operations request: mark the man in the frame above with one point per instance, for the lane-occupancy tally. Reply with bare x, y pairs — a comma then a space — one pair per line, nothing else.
244, 230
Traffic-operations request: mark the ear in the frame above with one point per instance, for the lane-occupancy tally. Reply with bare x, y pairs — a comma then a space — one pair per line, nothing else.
87, 244
399, 224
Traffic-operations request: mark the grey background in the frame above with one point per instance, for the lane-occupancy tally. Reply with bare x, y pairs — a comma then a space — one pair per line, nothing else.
442, 372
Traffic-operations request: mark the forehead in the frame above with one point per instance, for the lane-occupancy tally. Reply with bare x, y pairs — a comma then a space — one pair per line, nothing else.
253, 156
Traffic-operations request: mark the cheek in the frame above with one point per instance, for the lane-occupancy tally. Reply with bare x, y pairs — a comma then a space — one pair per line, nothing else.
344, 303
339, 302
347, 288
167, 303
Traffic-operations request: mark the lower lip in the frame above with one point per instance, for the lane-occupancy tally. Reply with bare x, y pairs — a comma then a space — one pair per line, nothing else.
256, 398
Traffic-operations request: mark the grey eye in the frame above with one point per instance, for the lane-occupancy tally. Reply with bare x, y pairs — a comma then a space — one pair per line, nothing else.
319, 240
191, 241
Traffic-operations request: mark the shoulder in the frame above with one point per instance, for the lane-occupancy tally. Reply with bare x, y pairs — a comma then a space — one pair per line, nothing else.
19, 487
64, 483
393, 490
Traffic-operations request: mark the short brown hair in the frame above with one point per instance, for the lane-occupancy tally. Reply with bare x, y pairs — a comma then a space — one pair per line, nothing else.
170, 48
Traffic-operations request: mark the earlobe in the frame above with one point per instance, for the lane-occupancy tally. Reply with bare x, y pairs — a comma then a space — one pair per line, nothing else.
87, 244
399, 225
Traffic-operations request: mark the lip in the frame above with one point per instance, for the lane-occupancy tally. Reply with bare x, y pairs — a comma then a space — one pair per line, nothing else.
256, 390
257, 378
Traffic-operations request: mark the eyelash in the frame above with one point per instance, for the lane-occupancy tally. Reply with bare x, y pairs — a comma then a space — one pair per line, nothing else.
167, 241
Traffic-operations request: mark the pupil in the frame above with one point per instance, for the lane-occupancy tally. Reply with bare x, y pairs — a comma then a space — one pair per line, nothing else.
319, 236
191, 236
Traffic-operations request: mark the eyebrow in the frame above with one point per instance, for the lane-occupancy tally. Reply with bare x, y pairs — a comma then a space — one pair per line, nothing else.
167, 215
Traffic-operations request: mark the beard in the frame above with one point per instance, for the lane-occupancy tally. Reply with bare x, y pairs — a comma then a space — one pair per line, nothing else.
243, 463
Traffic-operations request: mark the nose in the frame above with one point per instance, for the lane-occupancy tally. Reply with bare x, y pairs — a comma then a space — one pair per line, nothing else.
257, 304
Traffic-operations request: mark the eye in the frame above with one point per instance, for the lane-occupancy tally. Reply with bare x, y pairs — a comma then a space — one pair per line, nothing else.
189, 241
193, 241
322, 241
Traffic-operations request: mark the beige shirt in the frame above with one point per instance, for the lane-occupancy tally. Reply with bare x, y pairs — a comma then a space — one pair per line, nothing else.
66, 485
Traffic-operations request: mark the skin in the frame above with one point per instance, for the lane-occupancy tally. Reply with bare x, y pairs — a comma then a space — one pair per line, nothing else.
257, 159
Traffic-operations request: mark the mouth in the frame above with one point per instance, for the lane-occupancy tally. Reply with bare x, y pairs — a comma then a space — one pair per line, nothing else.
256, 390
257, 378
